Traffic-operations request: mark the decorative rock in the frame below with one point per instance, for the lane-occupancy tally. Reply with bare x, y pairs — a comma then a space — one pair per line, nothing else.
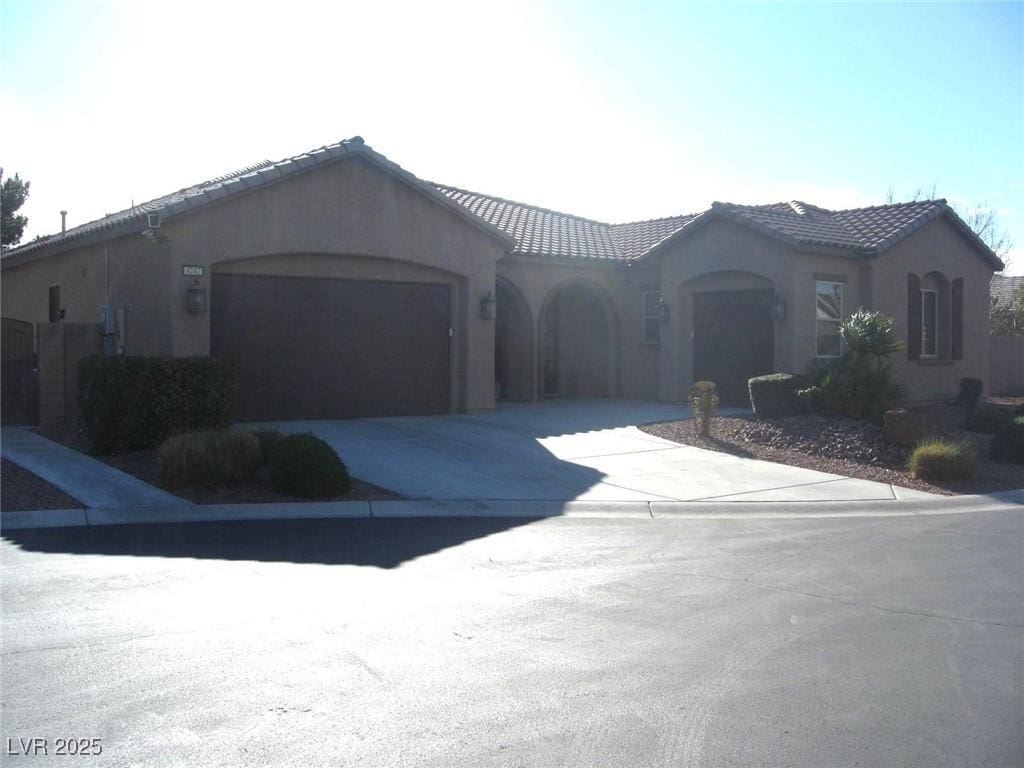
904, 427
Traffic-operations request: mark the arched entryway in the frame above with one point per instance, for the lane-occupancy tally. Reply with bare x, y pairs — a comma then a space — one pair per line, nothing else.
576, 343
513, 344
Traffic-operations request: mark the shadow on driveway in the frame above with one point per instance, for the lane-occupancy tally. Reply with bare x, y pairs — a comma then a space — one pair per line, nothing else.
383, 543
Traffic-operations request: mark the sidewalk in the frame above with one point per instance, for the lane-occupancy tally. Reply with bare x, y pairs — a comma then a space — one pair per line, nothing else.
95, 484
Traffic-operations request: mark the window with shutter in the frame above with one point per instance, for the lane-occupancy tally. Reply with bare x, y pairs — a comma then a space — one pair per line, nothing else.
957, 311
913, 316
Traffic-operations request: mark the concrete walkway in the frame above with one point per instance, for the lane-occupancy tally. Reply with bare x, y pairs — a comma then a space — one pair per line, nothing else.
95, 484
568, 450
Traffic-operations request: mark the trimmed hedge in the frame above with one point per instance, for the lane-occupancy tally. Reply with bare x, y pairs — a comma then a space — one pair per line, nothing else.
774, 395
138, 402
210, 459
1008, 443
943, 460
304, 465
990, 417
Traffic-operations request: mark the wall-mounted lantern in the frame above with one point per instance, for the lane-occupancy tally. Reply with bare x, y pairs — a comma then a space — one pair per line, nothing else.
779, 308
487, 304
195, 299
664, 313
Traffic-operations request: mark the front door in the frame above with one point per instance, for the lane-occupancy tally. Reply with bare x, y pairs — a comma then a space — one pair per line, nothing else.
733, 340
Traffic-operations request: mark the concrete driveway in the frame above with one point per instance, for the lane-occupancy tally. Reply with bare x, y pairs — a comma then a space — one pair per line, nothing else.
565, 450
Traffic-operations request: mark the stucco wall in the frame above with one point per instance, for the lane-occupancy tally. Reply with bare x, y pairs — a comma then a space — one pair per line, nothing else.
937, 247
633, 363
340, 219
349, 219
723, 255
138, 279
1006, 365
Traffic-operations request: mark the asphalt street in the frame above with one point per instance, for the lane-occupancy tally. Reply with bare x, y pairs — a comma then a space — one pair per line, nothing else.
578, 642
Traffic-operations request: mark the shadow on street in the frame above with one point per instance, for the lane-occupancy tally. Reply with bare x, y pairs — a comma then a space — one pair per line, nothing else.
384, 543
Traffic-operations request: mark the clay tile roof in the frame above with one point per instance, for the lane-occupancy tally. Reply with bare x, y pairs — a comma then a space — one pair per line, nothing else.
866, 230
1005, 287
543, 232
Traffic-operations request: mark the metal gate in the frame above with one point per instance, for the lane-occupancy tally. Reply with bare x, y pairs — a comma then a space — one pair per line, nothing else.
17, 377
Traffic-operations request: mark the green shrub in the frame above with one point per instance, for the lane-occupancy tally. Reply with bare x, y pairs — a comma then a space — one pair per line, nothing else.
304, 465
209, 459
138, 402
970, 391
704, 400
1008, 443
861, 384
989, 417
943, 460
775, 395
268, 438
810, 400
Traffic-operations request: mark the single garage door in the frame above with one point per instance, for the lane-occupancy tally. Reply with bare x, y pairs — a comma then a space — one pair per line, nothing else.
733, 340
310, 348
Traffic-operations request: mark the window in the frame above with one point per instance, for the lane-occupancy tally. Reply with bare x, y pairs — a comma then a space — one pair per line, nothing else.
829, 317
652, 317
929, 323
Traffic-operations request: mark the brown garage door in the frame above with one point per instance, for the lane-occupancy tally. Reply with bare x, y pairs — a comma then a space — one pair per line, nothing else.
318, 348
733, 340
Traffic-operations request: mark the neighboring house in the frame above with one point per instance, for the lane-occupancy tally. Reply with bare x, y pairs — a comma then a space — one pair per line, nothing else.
342, 285
1007, 294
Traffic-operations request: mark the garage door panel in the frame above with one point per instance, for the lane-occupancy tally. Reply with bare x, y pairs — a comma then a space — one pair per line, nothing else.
320, 348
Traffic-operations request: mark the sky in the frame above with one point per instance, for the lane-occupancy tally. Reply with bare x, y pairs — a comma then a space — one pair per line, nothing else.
615, 111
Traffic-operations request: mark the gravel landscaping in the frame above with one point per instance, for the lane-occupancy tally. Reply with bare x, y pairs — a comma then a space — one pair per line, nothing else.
22, 491
838, 446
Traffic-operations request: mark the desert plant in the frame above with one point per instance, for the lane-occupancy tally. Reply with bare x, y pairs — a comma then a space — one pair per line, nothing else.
209, 459
774, 395
861, 384
810, 399
970, 391
870, 334
704, 401
1008, 443
990, 418
304, 465
943, 460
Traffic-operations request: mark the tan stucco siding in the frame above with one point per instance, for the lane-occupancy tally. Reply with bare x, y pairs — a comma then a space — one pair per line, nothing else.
937, 247
634, 363
724, 255
136, 271
347, 220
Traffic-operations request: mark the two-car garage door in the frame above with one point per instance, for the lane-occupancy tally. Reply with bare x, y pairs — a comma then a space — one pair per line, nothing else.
327, 348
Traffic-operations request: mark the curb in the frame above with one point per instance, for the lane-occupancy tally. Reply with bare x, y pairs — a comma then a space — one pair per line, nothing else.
506, 508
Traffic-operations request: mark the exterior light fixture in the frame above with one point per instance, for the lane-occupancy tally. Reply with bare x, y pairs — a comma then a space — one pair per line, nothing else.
195, 299
487, 304
664, 313
779, 308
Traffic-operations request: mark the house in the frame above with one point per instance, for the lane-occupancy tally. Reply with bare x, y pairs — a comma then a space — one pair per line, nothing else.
342, 285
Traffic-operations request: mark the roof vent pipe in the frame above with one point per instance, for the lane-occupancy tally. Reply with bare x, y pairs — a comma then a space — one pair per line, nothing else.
63, 222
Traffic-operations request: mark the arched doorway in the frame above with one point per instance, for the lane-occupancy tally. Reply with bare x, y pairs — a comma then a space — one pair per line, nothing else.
576, 344
732, 331
513, 344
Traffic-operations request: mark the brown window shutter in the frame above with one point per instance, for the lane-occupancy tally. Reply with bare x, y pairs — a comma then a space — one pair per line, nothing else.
913, 316
957, 313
